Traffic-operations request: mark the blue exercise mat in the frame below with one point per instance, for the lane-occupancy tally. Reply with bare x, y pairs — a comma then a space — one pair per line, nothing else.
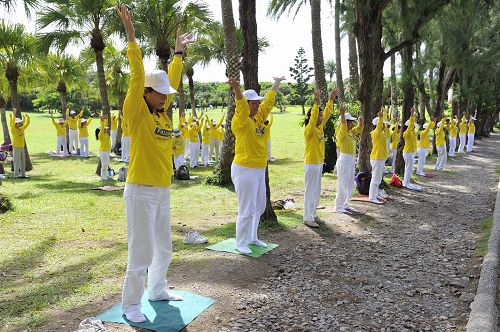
163, 316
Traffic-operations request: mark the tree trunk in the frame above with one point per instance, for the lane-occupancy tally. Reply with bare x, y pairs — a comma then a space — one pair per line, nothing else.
222, 172
353, 66
118, 142
394, 88
338, 67
181, 98
3, 117
432, 101
102, 85
189, 74
317, 46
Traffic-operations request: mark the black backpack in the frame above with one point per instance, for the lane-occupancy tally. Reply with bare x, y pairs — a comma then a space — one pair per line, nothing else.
182, 173
363, 180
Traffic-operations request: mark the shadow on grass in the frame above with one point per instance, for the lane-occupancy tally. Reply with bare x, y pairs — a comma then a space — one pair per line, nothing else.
71, 186
48, 288
285, 161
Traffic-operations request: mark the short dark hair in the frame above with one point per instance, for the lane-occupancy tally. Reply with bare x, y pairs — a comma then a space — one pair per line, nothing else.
308, 115
148, 89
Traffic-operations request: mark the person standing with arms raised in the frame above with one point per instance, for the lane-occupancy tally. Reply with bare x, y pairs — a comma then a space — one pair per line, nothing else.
17, 128
250, 160
147, 191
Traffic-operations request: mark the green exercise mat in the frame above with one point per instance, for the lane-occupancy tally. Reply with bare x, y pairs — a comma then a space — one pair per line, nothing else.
229, 245
163, 316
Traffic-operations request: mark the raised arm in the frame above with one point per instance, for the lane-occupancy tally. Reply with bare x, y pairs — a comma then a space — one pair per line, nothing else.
314, 111
27, 121
242, 111
329, 106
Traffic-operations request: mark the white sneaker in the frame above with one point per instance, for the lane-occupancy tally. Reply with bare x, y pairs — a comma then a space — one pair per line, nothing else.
259, 243
382, 193
166, 296
341, 210
135, 315
376, 201
244, 249
194, 237
311, 224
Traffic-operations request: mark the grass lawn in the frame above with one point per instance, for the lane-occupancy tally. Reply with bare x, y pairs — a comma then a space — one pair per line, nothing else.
64, 245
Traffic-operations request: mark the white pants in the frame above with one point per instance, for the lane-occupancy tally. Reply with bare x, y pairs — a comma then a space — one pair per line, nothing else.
470, 142
269, 150
345, 180
112, 134
84, 147
19, 162
149, 240
409, 158
442, 157
453, 146
179, 160
461, 146
221, 145
186, 148
126, 148
204, 154
422, 158
250, 187
62, 145
378, 167
104, 156
393, 165
312, 190
194, 148
73, 140
212, 149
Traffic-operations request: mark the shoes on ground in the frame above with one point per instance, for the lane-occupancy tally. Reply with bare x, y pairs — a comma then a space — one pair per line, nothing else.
194, 237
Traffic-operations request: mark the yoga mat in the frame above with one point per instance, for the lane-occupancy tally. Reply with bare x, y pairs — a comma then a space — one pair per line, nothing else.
108, 188
229, 245
363, 198
359, 211
163, 316
428, 175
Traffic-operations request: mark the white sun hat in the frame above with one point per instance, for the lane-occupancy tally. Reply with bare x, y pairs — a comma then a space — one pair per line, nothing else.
18, 120
61, 120
349, 117
83, 120
425, 125
251, 95
375, 121
158, 81
72, 112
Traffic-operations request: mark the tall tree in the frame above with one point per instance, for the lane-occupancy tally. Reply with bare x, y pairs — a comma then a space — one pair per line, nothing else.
301, 73
338, 55
330, 69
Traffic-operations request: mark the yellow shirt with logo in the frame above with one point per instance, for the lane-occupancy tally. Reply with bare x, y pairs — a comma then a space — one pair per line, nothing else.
60, 127
83, 128
205, 133
410, 137
440, 141
395, 137
18, 133
472, 128
183, 128
453, 129
379, 141
220, 134
314, 135
463, 126
425, 142
251, 143
150, 133
194, 129
104, 140
177, 145
214, 129
73, 122
346, 139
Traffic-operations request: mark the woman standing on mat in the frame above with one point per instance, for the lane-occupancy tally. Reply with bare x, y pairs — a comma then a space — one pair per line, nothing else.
423, 146
250, 160
73, 120
394, 143
346, 136
440, 146
314, 156
147, 191
453, 137
462, 134
378, 156
62, 143
409, 151
471, 131
17, 128
102, 134
83, 133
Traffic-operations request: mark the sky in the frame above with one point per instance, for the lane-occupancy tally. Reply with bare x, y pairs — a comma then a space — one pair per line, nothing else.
286, 36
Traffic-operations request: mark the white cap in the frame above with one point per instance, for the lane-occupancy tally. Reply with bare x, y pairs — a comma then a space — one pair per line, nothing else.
84, 120
439, 125
72, 112
251, 95
158, 80
61, 120
473, 118
375, 121
348, 116
426, 125
18, 120
407, 123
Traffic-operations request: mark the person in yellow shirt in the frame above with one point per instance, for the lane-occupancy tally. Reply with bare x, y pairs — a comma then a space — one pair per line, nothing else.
73, 121
462, 134
194, 140
147, 190
250, 160
17, 128
453, 137
395, 132
314, 156
205, 140
423, 146
441, 145
409, 151
183, 127
378, 156
83, 133
346, 136
471, 131
102, 134
62, 143
178, 148
214, 139
125, 153
114, 129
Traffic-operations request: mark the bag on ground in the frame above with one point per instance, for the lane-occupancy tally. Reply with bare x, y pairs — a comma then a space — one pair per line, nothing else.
182, 173
122, 174
363, 182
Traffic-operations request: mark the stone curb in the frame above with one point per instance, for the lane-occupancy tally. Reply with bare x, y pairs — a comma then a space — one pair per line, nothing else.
484, 311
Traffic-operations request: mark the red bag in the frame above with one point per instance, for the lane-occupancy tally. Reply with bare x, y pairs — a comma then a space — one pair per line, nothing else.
395, 181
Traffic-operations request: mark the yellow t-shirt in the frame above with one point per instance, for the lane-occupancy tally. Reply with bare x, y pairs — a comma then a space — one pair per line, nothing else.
73, 122
60, 127
124, 125
18, 133
104, 140
205, 133
425, 142
346, 139
472, 128
410, 137
453, 129
114, 122
83, 128
214, 128
194, 129
440, 135
314, 135
379, 141
251, 143
220, 134
177, 145
395, 137
463, 126
150, 133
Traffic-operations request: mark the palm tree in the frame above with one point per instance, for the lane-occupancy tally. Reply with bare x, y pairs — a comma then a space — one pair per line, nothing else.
9, 5
340, 81
330, 69
76, 21
278, 7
